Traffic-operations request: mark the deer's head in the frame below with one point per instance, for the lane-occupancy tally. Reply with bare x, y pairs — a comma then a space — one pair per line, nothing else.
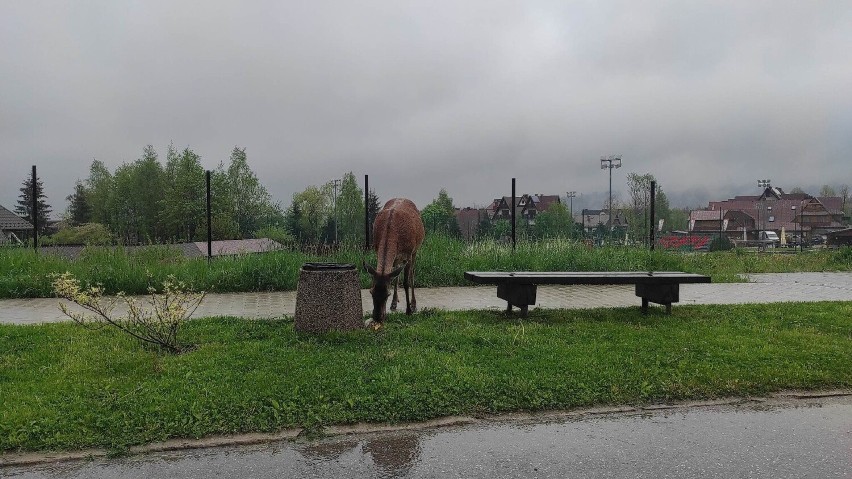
380, 290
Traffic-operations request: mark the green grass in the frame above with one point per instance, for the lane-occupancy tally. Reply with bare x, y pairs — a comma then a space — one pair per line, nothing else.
65, 387
441, 262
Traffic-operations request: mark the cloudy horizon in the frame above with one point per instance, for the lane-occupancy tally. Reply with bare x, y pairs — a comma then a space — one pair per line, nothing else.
707, 97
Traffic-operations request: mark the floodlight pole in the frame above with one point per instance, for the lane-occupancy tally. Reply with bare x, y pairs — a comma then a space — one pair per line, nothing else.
610, 162
762, 184
570, 196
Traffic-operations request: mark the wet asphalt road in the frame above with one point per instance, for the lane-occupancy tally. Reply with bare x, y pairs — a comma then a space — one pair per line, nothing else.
775, 439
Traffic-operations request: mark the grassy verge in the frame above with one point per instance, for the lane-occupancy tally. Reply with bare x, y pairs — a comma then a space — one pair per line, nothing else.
441, 262
64, 387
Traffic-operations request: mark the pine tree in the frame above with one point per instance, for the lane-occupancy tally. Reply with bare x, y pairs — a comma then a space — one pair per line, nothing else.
373, 207
79, 210
24, 208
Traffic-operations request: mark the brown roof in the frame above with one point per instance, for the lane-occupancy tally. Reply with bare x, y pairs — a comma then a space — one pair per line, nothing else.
705, 215
231, 247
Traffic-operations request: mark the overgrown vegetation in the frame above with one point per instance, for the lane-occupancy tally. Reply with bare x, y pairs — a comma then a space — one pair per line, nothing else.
441, 262
62, 387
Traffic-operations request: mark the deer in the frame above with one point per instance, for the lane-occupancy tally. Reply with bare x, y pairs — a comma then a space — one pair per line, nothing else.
397, 235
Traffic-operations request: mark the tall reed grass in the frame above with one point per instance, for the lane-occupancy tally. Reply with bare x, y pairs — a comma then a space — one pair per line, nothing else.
441, 261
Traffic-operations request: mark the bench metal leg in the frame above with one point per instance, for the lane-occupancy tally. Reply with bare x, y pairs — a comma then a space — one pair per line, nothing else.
520, 295
664, 294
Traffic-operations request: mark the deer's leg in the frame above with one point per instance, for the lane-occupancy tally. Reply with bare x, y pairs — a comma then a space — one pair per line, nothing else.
395, 297
410, 304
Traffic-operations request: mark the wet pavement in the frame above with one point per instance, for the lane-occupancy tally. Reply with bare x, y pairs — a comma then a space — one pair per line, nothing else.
774, 438
762, 288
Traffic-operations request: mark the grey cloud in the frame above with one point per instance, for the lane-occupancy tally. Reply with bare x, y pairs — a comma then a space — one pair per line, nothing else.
462, 95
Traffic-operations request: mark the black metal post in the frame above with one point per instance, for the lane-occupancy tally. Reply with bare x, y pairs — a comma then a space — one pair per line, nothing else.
35, 209
367, 213
209, 220
513, 214
653, 216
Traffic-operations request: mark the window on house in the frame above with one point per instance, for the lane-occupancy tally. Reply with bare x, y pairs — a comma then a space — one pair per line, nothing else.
771, 219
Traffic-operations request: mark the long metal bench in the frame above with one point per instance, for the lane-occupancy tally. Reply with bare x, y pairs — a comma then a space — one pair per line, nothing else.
519, 288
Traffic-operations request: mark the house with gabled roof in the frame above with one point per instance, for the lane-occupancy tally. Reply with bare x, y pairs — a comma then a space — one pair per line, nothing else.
527, 207
12, 226
593, 219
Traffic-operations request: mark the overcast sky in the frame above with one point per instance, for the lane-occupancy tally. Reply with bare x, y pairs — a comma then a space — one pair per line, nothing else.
708, 97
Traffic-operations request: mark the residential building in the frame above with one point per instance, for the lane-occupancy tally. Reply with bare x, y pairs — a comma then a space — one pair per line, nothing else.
788, 214
13, 227
593, 219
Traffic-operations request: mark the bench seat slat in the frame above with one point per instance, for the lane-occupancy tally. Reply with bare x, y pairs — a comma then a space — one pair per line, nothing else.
584, 277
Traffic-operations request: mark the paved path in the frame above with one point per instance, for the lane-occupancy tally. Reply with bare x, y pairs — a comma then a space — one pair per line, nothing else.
772, 438
763, 288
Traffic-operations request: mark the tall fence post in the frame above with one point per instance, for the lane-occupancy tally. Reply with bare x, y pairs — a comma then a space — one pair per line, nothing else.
209, 220
366, 212
653, 211
513, 214
35, 209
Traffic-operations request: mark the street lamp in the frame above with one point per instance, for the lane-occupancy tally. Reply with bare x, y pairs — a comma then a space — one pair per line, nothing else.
762, 184
571, 195
793, 209
610, 162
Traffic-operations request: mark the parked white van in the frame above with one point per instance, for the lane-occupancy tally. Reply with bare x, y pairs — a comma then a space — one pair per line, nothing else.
770, 237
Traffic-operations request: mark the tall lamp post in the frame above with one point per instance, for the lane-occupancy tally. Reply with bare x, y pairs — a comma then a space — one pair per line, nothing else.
571, 195
793, 209
608, 163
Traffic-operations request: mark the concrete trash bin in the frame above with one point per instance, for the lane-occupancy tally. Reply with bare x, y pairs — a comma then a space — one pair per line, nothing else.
328, 298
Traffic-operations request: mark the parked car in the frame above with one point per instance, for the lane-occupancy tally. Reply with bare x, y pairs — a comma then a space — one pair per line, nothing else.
770, 238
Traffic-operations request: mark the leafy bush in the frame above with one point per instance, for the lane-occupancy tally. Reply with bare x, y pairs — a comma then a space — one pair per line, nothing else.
87, 234
275, 233
158, 325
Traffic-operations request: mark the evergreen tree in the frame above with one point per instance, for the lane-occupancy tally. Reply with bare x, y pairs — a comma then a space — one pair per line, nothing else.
293, 220
350, 210
251, 201
224, 221
373, 208
440, 216
99, 190
123, 206
79, 211
148, 192
183, 205
24, 209
556, 221
314, 207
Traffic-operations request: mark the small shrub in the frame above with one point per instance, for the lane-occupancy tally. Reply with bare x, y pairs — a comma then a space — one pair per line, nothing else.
87, 234
720, 243
156, 325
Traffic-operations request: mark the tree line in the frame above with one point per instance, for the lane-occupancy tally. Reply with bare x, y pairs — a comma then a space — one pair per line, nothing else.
145, 201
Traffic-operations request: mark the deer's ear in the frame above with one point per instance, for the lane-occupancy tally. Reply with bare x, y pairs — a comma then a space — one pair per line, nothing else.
369, 269
396, 272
